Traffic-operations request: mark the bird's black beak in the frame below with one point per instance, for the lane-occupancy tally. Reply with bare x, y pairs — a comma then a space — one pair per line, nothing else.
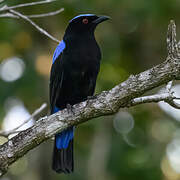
101, 19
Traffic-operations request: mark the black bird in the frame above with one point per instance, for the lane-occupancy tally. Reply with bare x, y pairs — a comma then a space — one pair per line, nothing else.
75, 67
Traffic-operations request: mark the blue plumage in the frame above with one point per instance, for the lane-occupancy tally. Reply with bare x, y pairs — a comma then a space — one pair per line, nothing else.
59, 50
63, 138
81, 15
56, 109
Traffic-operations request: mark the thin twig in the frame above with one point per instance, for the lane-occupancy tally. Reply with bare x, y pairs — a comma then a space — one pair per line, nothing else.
152, 98
167, 97
173, 104
9, 15
3, 8
26, 4
169, 86
15, 130
34, 24
46, 14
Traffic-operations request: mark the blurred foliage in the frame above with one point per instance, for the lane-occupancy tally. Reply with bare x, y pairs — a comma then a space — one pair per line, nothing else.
133, 41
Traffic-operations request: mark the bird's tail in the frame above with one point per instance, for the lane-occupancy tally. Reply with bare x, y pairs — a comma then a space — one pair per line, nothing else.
63, 152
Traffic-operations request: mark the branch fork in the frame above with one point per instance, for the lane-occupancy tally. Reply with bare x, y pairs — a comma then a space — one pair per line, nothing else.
9, 11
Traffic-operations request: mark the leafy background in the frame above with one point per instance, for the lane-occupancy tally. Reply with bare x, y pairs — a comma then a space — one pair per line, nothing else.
142, 142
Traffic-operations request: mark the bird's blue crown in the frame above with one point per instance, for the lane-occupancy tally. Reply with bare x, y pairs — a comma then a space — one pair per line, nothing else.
81, 15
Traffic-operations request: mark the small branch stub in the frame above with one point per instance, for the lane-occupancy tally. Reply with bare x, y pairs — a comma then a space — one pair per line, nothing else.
171, 40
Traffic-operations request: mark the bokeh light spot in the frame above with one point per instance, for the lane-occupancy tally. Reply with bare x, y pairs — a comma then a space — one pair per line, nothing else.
173, 153
11, 69
168, 171
123, 122
16, 114
162, 130
6, 50
138, 158
43, 64
22, 40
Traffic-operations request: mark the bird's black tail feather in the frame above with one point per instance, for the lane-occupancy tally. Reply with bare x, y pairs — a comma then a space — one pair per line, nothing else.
63, 161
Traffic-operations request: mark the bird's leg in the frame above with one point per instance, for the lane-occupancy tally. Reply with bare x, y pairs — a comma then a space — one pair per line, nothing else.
70, 108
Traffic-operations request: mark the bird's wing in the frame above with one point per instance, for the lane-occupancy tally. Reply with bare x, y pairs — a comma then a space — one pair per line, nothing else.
56, 76
59, 50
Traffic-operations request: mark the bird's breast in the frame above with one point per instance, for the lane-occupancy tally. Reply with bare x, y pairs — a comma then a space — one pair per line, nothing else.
81, 61
81, 58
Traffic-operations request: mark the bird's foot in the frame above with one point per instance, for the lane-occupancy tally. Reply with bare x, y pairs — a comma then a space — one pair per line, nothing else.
70, 108
91, 97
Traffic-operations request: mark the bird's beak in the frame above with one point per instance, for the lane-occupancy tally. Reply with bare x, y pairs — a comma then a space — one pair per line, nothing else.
101, 19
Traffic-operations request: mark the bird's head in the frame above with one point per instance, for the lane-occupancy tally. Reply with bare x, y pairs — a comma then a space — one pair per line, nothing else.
85, 23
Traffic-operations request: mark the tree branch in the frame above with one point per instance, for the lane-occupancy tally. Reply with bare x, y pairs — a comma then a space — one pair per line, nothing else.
46, 14
10, 15
109, 102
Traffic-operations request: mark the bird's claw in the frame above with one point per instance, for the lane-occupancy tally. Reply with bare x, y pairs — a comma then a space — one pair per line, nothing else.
91, 97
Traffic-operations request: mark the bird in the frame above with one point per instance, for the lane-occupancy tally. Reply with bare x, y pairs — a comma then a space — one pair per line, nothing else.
74, 70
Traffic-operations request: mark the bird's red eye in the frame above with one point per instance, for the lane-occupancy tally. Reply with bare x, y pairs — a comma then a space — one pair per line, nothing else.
85, 21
